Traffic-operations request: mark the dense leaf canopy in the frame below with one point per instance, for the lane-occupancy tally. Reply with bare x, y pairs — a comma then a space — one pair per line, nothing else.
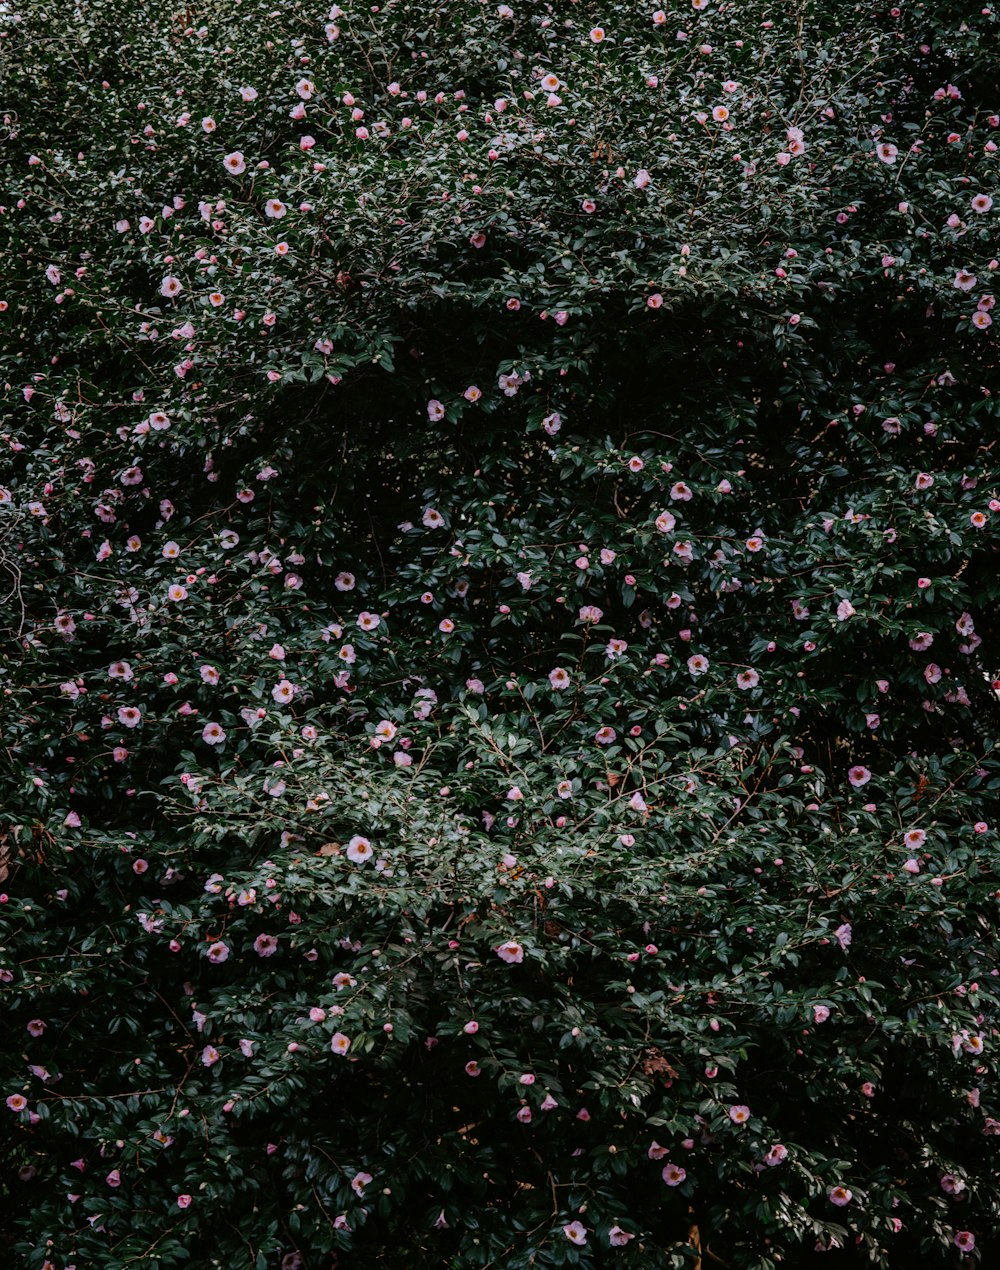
499, 530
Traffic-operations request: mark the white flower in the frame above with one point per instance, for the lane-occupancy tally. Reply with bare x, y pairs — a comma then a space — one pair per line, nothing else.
359, 850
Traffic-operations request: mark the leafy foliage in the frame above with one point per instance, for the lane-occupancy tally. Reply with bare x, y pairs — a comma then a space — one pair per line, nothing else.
499, 520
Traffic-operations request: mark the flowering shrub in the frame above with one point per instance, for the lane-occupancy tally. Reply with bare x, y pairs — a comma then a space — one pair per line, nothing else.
499, 530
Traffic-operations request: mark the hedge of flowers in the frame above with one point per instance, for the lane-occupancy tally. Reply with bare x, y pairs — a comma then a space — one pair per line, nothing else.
499, 534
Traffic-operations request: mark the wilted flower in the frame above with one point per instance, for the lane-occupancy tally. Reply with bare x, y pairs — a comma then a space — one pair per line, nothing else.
843, 935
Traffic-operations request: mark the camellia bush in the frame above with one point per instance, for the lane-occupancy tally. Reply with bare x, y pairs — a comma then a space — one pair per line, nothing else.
499, 533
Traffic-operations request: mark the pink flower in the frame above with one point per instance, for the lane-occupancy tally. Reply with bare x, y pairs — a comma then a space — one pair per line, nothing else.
114, 1178
821, 1013
776, 1155
129, 716
213, 734
512, 952
576, 1233
183, 1201
673, 1174
859, 776
17, 1102
170, 286
265, 945
340, 1044
605, 736
218, 952
359, 1182
210, 1055
839, 1195
843, 935
964, 1240
739, 1114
